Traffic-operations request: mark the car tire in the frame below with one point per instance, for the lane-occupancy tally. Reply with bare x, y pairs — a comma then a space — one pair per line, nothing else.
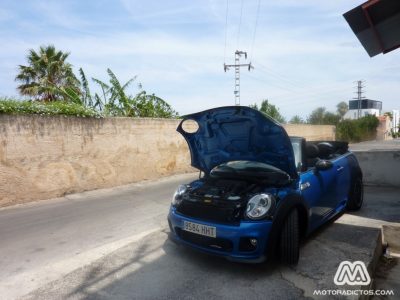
356, 195
289, 244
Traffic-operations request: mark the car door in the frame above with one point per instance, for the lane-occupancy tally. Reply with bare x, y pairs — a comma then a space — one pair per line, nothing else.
319, 190
343, 178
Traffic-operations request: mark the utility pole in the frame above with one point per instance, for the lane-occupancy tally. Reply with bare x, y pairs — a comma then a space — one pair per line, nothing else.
237, 66
360, 86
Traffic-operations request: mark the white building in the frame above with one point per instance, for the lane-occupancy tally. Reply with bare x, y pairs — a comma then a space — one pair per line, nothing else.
362, 108
395, 120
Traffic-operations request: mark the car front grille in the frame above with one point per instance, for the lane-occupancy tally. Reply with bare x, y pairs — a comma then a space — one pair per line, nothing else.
228, 214
205, 241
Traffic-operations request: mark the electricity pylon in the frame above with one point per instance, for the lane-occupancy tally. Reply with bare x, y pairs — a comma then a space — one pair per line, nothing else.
237, 66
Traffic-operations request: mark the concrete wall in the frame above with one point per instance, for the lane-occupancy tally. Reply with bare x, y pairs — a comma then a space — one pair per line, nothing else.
380, 167
43, 157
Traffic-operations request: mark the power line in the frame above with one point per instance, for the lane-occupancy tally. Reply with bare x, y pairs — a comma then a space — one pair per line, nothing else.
270, 83
240, 24
255, 30
319, 95
311, 92
226, 27
291, 103
283, 77
312, 95
278, 78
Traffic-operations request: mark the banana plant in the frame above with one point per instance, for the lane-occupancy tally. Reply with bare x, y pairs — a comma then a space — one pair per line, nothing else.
116, 101
86, 95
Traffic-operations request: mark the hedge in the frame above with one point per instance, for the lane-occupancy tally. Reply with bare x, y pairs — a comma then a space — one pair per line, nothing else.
363, 129
9, 106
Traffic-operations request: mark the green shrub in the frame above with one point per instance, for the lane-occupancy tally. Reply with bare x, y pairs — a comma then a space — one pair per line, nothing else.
8, 106
394, 134
345, 131
363, 129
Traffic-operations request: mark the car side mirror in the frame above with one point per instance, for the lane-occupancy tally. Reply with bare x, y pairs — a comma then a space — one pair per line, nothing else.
323, 165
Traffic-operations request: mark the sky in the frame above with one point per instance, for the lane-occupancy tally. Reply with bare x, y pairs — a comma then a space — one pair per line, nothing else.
303, 52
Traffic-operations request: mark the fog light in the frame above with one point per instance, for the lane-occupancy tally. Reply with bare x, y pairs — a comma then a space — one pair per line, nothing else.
247, 244
253, 242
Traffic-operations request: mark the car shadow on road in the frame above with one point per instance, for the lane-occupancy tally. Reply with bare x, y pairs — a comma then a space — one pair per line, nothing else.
159, 268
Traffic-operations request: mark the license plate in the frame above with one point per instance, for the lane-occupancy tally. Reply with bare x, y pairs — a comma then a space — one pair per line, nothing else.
205, 230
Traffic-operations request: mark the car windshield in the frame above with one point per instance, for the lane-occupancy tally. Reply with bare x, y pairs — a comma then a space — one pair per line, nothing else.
251, 170
296, 144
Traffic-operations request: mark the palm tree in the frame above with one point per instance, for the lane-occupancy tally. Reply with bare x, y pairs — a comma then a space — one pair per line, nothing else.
342, 109
47, 75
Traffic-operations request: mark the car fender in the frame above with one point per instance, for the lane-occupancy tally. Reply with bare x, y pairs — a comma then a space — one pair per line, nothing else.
355, 169
285, 205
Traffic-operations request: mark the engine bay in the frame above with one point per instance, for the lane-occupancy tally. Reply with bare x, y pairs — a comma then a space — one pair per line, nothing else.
222, 200
224, 189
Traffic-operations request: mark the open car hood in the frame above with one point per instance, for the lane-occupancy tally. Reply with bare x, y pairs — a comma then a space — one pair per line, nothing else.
237, 133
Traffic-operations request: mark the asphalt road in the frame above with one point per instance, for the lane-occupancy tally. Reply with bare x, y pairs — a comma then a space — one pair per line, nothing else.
113, 244
376, 145
41, 241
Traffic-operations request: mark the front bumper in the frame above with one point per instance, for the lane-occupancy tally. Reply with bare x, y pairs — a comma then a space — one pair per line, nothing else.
231, 235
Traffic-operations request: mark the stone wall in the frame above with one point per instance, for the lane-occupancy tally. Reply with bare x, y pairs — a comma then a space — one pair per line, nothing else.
312, 132
43, 157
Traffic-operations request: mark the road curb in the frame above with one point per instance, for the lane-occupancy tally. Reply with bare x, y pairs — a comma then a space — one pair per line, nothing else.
371, 267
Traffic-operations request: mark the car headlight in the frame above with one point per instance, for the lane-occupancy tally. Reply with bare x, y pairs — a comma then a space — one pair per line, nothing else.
259, 206
178, 196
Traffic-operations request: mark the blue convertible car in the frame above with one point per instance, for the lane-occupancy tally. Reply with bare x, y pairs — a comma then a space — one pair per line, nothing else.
261, 190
